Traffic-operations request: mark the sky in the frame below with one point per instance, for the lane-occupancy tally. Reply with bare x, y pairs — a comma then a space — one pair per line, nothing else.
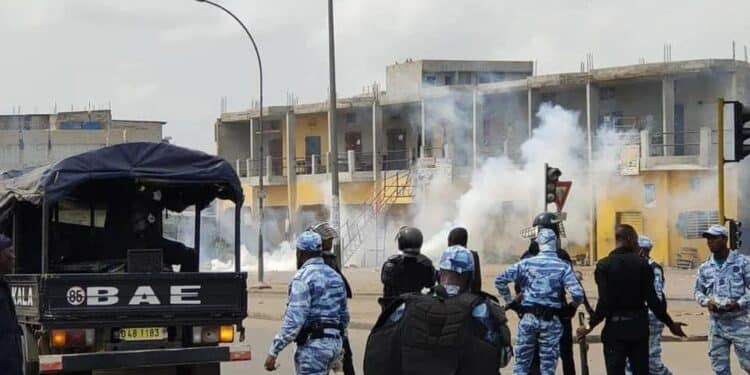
173, 60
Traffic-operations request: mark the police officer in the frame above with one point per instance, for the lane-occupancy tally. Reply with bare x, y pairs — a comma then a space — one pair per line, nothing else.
460, 236
327, 235
542, 279
450, 330
316, 315
721, 286
655, 327
10, 337
626, 286
552, 221
407, 272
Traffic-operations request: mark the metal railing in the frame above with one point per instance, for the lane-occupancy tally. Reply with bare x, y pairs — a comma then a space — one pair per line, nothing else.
684, 143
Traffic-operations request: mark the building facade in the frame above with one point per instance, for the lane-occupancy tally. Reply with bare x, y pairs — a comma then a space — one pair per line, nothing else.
435, 114
28, 140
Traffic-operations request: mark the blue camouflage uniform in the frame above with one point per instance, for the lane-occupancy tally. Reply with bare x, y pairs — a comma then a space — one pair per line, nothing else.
542, 279
316, 296
655, 326
724, 282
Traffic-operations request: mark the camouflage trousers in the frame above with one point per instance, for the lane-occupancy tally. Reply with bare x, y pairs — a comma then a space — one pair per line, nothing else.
533, 331
721, 335
316, 356
655, 366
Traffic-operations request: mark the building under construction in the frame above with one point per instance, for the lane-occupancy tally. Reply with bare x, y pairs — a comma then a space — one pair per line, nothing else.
390, 137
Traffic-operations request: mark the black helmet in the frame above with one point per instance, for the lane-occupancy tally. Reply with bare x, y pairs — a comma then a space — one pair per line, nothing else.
409, 240
549, 220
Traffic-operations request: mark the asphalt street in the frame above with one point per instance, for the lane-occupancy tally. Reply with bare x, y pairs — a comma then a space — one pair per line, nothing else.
683, 358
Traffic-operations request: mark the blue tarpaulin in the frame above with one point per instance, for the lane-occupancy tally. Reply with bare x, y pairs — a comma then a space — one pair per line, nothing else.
160, 162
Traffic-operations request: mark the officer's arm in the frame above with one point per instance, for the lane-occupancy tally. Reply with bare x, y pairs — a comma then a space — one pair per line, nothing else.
344, 317
295, 316
503, 279
700, 289
573, 286
654, 304
745, 299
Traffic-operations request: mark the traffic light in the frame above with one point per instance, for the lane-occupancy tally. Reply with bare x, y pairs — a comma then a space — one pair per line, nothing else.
551, 176
741, 133
735, 234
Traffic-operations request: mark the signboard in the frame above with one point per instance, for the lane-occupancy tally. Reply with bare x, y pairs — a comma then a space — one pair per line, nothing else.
562, 189
630, 160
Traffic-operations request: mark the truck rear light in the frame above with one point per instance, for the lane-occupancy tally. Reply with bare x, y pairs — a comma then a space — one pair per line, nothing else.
226, 333
58, 338
62, 338
205, 335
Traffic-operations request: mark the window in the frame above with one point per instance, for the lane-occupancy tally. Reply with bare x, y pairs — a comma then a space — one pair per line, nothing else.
649, 195
632, 218
448, 80
607, 93
692, 224
350, 117
80, 214
430, 79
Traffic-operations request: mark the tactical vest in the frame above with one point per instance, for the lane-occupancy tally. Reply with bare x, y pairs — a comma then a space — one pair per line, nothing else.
437, 335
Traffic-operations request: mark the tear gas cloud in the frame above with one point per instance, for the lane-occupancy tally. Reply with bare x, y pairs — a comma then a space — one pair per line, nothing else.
503, 195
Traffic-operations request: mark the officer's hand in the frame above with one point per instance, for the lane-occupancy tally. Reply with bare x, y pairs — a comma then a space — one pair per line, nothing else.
676, 329
731, 306
270, 363
712, 306
581, 332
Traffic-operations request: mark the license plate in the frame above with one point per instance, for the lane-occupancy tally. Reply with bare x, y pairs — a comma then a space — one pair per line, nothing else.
143, 334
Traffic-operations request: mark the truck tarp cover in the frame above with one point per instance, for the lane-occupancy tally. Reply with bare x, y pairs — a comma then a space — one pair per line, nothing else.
162, 162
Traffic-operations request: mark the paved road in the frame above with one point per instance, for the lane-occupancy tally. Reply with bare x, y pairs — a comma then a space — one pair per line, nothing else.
682, 358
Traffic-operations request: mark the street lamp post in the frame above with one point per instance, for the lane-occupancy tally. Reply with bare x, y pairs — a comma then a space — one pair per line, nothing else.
261, 194
333, 155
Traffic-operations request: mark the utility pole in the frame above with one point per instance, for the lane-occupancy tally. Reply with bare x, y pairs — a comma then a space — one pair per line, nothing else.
720, 158
333, 155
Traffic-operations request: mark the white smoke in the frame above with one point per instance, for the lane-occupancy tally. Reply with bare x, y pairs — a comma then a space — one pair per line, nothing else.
282, 258
504, 195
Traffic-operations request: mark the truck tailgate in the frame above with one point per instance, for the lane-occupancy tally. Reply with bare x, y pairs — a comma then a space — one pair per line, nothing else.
139, 298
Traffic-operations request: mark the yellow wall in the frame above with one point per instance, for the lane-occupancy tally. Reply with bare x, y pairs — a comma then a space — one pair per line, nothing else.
311, 125
356, 192
310, 193
674, 195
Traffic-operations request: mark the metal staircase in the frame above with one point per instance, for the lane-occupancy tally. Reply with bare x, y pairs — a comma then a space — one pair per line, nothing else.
395, 185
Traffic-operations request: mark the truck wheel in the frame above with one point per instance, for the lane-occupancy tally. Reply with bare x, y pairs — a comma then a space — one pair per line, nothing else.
30, 352
203, 369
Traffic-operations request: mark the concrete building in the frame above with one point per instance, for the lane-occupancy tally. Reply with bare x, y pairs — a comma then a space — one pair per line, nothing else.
458, 113
34, 139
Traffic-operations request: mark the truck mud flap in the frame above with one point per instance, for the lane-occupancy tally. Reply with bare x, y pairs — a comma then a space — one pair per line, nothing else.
142, 358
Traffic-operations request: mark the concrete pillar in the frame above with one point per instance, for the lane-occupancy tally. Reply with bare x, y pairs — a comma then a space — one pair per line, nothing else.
248, 166
645, 147
237, 167
704, 153
291, 173
314, 160
592, 115
530, 110
592, 119
351, 161
667, 107
377, 141
422, 148
474, 129
448, 151
269, 167
252, 139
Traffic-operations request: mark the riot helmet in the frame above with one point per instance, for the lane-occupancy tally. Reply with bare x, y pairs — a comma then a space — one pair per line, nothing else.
409, 240
548, 220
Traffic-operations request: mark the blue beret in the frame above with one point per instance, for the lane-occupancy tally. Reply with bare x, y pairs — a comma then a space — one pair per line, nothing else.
457, 259
309, 241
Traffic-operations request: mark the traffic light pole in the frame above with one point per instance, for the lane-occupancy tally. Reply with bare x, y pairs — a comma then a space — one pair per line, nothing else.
720, 158
546, 168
